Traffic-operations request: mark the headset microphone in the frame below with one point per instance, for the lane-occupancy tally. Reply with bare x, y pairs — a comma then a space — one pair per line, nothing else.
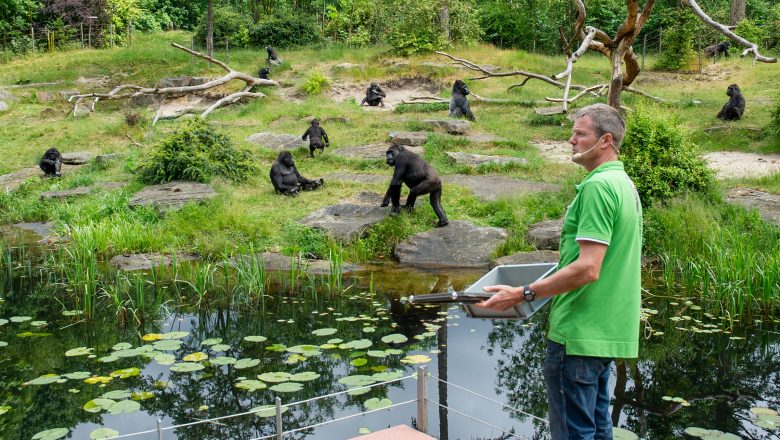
577, 156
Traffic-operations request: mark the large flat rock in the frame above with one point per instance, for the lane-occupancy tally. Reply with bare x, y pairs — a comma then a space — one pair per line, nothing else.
80, 191
768, 205
451, 126
533, 257
555, 151
372, 151
77, 158
12, 181
277, 142
475, 160
274, 261
545, 235
132, 262
411, 138
735, 164
459, 244
41, 229
173, 195
491, 188
348, 220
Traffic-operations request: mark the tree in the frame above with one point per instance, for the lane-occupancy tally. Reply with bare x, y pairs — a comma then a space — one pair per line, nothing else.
737, 12
210, 29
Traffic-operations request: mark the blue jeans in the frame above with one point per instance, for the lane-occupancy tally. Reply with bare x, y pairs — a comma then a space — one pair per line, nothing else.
577, 395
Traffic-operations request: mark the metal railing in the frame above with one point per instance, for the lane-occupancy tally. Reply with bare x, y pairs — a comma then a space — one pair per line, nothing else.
422, 401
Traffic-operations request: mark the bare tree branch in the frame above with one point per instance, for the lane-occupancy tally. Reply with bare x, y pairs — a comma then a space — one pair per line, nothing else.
570, 62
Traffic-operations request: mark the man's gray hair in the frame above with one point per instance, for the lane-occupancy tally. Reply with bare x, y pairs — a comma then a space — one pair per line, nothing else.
605, 119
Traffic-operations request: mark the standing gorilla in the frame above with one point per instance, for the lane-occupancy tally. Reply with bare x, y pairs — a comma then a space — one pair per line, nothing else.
316, 134
419, 176
733, 109
264, 73
721, 48
374, 96
286, 178
272, 57
51, 163
459, 105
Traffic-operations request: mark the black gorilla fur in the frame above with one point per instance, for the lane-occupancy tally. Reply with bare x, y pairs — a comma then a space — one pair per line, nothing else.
271, 54
733, 109
459, 105
51, 162
374, 96
419, 176
721, 48
264, 73
286, 178
316, 134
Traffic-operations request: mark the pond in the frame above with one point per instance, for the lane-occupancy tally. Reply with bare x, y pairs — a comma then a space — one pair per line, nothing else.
59, 370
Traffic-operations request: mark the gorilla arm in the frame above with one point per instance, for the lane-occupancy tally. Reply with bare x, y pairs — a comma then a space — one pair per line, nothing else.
324, 137
393, 193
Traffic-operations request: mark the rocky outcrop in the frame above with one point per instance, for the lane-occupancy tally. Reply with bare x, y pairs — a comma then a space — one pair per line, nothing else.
412, 138
274, 261
767, 205
349, 220
545, 235
492, 188
459, 244
132, 262
451, 126
173, 195
77, 158
544, 256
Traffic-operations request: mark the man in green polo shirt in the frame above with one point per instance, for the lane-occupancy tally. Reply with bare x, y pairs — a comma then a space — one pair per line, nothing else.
595, 312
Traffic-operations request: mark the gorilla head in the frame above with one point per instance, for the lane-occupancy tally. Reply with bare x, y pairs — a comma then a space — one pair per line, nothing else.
460, 87
285, 157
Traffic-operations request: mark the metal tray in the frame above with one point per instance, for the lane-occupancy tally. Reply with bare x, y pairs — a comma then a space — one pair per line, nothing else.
513, 275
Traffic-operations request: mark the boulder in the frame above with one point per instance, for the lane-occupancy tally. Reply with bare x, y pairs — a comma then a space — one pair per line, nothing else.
172, 195
43, 96
545, 235
274, 261
545, 256
451, 126
491, 188
77, 158
768, 205
80, 191
178, 81
132, 262
459, 244
347, 221
484, 138
372, 151
474, 160
144, 100
11, 182
4, 107
277, 142
413, 138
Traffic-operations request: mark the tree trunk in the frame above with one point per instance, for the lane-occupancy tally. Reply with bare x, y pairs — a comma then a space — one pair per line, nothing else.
616, 83
737, 12
210, 29
444, 20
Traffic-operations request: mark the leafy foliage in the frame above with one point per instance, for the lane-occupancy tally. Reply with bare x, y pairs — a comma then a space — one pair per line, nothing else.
353, 22
228, 24
749, 30
316, 83
774, 122
195, 152
415, 27
678, 39
285, 32
661, 159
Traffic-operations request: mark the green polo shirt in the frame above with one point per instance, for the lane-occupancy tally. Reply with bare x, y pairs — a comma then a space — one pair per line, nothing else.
602, 318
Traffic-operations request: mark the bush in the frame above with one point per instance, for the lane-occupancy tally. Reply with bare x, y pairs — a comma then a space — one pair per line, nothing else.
660, 157
195, 152
316, 83
748, 30
678, 41
285, 32
774, 121
228, 24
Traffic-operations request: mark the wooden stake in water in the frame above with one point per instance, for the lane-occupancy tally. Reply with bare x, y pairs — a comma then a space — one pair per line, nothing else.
279, 429
422, 399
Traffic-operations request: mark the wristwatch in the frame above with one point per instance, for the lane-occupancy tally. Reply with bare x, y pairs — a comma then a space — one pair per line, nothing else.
528, 294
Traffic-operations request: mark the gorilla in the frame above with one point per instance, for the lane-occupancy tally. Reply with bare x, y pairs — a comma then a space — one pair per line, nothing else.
459, 105
733, 109
721, 48
264, 73
316, 134
51, 163
374, 96
286, 178
272, 57
419, 176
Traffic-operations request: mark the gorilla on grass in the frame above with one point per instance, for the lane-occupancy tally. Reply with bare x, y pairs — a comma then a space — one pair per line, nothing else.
735, 107
287, 180
459, 105
374, 96
51, 163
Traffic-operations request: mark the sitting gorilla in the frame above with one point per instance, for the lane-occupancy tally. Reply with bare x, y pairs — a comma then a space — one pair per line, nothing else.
718, 49
419, 176
286, 178
733, 109
374, 96
459, 105
264, 73
272, 57
51, 163
316, 134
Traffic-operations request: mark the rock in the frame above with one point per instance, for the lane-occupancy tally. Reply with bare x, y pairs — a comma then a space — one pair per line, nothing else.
274, 261
557, 151
198, 80
369, 179
545, 235
4, 107
459, 244
43, 230
413, 138
7, 96
277, 142
42, 96
178, 81
768, 205
372, 151
49, 113
66, 94
77, 158
347, 221
82, 110
451, 126
172, 195
484, 138
132, 262
144, 100
11, 182
80, 191
491, 188
478, 159
545, 256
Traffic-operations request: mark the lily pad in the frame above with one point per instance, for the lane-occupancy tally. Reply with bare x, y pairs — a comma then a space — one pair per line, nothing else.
124, 407
335, 341
108, 359
44, 380
220, 347
294, 358
359, 362
267, 410
395, 338
98, 379
357, 344
103, 433
251, 385
20, 318
97, 405
39, 323
387, 376
211, 341
167, 345
276, 347
51, 434
141, 395
246, 363
275, 376
306, 350
223, 360
416, 359
186, 367
304, 376
165, 359
126, 372
358, 391
3, 322
357, 380
121, 346
623, 434
324, 332
151, 337
377, 353
174, 335
377, 403
255, 338
71, 312
195, 357
77, 375
116, 395
763, 411
80, 351
287, 387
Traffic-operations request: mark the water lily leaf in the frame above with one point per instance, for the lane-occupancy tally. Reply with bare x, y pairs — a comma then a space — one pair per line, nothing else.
107, 359
294, 358
328, 346
324, 332
357, 354
51, 434
124, 407
694, 431
364, 431
196, 357
165, 359
77, 375
4, 409
223, 360
369, 329
357, 380
220, 347
127, 353
267, 410
39, 323
251, 385
3, 344
71, 312
151, 337
3, 322
623, 434
358, 391
335, 341
377, 403
357, 344
246, 363
416, 359
186, 367
287, 387
387, 376
20, 318
359, 362
277, 347
121, 346
44, 380
80, 351
126, 372
103, 433
306, 350
275, 376
174, 335
141, 395
395, 338
32, 334
211, 341
97, 405
98, 379
377, 353
203, 408
116, 395
763, 411
304, 376
770, 423
167, 345
394, 351
255, 338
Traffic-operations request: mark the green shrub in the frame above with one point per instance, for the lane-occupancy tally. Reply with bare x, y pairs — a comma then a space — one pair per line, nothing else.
228, 24
748, 30
774, 118
195, 152
316, 83
285, 32
678, 40
660, 157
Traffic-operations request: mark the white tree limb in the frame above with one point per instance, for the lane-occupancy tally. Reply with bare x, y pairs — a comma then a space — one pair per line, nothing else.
570, 62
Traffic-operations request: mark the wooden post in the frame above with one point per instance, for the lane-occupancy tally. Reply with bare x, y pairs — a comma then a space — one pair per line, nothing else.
422, 399
698, 43
32, 35
644, 48
82, 35
227, 52
89, 36
660, 39
279, 428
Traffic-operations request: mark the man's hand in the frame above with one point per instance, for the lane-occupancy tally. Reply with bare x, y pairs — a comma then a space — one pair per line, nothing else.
504, 298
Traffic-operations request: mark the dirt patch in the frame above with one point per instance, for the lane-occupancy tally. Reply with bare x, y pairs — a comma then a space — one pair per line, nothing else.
710, 73
732, 164
397, 91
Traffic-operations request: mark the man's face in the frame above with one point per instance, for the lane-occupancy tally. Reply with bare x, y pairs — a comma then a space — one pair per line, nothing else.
582, 139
